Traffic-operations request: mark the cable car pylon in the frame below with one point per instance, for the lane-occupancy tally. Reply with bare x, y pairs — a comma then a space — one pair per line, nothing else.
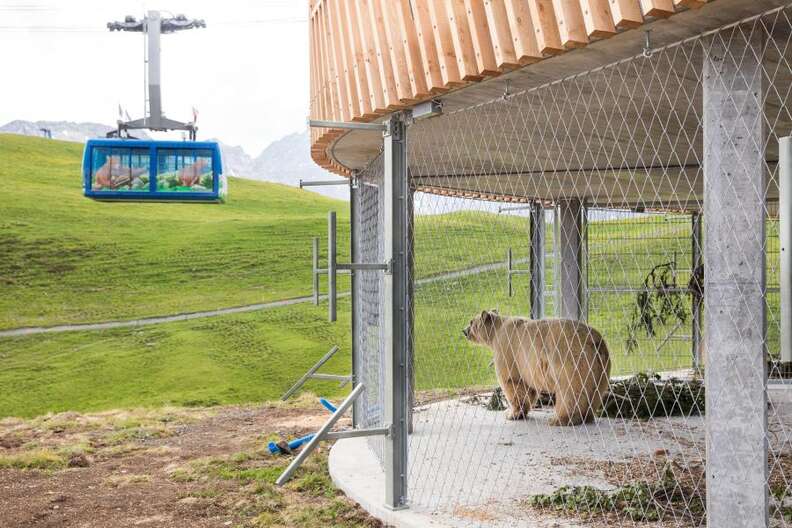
153, 26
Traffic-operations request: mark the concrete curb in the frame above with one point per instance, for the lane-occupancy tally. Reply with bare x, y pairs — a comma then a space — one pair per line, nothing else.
357, 472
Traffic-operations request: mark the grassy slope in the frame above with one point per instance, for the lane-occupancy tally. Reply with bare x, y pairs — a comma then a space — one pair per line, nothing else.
70, 259
254, 357
239, 358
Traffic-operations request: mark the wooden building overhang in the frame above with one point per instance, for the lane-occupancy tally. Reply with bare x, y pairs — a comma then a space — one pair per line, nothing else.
369, 58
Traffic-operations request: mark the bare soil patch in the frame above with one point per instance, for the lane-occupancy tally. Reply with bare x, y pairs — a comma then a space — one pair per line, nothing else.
167, 468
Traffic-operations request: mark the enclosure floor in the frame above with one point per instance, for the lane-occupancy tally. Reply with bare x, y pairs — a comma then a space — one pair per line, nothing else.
471, 467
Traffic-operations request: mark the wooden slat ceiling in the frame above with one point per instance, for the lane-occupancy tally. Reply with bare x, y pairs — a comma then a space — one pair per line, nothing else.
400, 52
372, 57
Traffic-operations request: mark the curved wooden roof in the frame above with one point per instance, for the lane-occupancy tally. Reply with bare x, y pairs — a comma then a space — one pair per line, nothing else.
372, 57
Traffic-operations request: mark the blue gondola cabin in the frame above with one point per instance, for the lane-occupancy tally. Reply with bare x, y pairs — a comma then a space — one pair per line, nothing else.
162, 171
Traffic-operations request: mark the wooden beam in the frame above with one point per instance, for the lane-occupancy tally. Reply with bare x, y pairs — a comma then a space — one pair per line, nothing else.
598, 18
521, 25
462, 40
430, 60
345, 61
397, 51
481, 38
501, 34
548, 38
449, 69
408, 31
332, 81
377, 24
358, 61
626, 13
379, 102
657, 8
571, 27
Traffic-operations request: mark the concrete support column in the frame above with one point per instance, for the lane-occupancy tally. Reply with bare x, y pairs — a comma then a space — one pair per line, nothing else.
537, 260
734, 259
571, 267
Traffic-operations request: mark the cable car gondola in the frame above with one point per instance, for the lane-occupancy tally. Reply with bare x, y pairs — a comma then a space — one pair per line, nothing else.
127, 169
163, 171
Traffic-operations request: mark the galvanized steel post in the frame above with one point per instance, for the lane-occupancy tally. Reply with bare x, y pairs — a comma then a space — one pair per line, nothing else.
396, 320
785, 236
697, 300
537, 235
315, 269
354, 284
331, 266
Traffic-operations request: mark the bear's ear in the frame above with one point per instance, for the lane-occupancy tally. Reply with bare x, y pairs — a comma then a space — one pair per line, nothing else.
488, 316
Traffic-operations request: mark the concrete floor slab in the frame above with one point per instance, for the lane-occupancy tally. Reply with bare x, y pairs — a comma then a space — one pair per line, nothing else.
471, 467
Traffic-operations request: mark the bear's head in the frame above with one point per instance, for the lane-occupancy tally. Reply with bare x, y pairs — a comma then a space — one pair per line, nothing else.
481, 329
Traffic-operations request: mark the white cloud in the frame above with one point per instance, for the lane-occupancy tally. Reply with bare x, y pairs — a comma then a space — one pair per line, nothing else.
247, 72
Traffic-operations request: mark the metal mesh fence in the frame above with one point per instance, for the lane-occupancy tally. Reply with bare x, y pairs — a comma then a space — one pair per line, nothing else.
601, 422
369, 309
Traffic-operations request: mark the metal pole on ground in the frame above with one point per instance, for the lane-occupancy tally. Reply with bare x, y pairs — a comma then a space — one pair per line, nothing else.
396, 293
734, 292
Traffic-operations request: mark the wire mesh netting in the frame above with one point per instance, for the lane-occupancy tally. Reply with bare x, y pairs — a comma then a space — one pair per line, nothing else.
595, 414
369, 338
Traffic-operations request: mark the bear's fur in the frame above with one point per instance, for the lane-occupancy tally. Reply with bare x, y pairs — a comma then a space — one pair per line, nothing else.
560, 356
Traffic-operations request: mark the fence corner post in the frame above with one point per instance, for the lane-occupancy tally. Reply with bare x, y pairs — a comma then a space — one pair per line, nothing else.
396, 295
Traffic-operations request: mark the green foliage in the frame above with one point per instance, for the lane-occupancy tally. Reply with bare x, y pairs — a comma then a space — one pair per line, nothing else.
659, 302
640, 501
646, 396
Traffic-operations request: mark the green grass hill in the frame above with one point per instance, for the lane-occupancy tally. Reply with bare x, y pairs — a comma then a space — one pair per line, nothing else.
69, 259
65, 258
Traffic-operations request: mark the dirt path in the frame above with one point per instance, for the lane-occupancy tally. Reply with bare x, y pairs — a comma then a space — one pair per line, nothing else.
168, 468
186, 316
15, 332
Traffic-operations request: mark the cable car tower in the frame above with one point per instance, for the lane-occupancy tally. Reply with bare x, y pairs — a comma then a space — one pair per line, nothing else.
153, 25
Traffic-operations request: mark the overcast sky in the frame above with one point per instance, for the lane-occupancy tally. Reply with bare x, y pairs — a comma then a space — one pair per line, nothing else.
247, 72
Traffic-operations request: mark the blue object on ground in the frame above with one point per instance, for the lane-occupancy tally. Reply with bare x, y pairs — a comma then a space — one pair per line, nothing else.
294, 444
327, 405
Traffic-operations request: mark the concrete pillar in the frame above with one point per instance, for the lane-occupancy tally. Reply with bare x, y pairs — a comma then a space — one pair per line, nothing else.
537, 260
734, 259
571, 267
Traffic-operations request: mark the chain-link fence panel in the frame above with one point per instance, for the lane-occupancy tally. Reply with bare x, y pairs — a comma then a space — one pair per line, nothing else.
597, 417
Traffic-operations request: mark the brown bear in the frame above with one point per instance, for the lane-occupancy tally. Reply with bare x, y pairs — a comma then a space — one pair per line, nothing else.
560, 356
